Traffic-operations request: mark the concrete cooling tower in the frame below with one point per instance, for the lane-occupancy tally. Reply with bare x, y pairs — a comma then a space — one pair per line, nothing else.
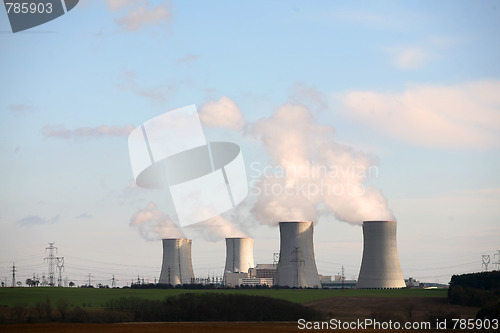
380, 267
297, 266
239, 254
177, 267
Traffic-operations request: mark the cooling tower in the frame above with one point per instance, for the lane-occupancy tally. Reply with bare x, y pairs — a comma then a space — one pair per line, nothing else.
297, 266
239, 254
177, 267
380, 267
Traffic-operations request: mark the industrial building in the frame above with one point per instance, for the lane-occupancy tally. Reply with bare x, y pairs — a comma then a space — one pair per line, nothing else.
177, 267
297, 265
234, 279
380, 267
263, 271
256, 282
339, 282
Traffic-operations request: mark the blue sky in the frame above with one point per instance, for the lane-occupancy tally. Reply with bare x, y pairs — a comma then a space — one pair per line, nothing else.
413, 85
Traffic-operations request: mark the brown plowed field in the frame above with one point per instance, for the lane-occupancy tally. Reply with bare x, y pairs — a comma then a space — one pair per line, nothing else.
249, 327
341, 308
345, 307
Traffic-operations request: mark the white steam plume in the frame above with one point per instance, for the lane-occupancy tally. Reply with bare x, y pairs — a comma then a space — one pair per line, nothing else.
218, 228
153, 224
310, 174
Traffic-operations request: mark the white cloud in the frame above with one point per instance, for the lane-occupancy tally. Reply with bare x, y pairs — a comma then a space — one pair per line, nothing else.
409, 57
137, 14
222, 113
36, 220
49, 131
459, 116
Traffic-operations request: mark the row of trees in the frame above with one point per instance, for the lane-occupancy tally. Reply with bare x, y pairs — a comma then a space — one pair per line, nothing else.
34, 282
185, 307
477, 289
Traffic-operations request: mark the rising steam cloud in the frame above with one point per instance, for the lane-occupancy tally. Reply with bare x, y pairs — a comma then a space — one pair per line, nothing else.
310, 174
153, 224
218, 228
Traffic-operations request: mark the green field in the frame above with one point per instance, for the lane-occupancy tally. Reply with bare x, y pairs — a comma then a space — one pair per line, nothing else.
89, 297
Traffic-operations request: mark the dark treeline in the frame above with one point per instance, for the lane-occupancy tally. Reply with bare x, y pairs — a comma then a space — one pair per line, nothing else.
212, 307
477, 289
485, 280
185, 307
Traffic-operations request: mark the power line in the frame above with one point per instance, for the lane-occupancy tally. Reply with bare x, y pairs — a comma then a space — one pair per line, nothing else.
486, 260
90, 275
13, 275
54, 262
498, 260
298, 262
60, 267
113, 282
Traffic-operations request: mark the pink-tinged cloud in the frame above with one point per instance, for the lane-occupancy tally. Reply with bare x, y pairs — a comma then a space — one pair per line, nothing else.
138, 14
223, 113
434, 116
311, 174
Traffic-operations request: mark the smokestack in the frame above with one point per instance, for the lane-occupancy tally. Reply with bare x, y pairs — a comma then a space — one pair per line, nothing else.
297, 266
380, 267
177, 267
239, 254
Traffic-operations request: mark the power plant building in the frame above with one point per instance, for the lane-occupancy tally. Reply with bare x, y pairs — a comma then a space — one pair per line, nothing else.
297, 265
256, 282
380, 268
263, 271
234, 279
177, 267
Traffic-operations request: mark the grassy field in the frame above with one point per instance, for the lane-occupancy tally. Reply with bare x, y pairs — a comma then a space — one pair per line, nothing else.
95, 298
